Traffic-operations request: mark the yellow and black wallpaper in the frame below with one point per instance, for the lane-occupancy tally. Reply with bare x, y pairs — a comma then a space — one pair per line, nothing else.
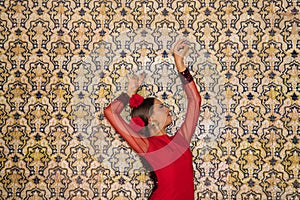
63, 61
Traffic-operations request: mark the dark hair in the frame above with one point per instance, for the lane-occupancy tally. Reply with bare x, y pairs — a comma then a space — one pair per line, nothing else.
144, 112
151, 174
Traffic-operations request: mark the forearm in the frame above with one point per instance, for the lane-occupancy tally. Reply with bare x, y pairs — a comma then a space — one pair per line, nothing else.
193, 106
192, 94
117, 105
179, 63
112, 114
186, 78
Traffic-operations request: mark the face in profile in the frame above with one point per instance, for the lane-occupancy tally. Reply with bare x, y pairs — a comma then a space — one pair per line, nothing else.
160, 114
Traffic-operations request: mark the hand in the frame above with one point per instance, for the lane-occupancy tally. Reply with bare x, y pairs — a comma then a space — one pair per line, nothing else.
180, 49
134, 83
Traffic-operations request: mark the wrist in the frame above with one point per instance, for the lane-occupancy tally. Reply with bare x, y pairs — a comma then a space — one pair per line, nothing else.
178, 59
130, 93
180, 65
185, 76
124, 98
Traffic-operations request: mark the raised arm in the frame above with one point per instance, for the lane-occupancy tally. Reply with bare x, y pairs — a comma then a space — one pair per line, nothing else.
188, 127
112, 113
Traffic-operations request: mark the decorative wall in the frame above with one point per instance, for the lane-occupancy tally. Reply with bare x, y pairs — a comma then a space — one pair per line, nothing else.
63, 61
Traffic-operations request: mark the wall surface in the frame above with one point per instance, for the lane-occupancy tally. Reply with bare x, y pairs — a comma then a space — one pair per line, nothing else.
63, 61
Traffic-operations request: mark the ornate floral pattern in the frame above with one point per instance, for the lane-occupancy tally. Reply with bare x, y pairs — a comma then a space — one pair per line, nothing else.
62, 62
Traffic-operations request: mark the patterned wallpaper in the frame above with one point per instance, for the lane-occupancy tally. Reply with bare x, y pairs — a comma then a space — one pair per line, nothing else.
63, 61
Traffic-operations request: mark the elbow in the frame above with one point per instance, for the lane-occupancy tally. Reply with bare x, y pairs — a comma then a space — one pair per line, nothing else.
107, 112
193, 94
199, 100
198, 103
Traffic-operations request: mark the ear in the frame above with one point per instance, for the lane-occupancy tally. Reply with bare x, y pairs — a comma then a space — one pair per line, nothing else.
150, 120
154, 124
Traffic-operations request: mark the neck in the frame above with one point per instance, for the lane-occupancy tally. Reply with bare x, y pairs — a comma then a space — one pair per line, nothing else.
155, 132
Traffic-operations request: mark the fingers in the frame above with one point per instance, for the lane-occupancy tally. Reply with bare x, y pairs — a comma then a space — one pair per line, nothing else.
180, 48
138, 79
141, 80
131, 76
185, 48
128, 76
180, 42
143, 77
180, 45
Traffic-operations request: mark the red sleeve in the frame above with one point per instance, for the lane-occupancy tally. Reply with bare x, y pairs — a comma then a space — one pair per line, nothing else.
112, 113
188, 127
